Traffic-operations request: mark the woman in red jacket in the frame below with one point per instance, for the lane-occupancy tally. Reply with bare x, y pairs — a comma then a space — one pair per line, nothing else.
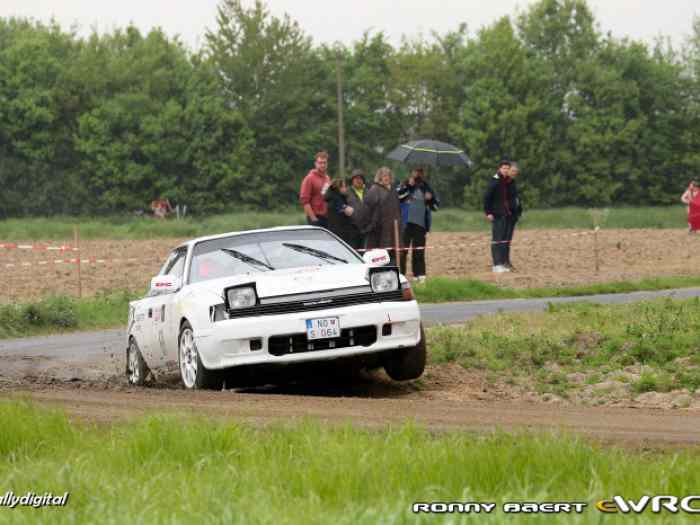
691, 197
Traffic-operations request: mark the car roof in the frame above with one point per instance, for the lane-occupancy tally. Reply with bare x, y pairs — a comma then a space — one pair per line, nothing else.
192, 242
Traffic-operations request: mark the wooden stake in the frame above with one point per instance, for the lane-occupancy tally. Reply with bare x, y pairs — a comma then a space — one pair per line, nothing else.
76, 238
396, 243
595, 249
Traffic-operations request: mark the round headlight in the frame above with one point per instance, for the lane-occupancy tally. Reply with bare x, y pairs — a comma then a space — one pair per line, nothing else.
243, 297
385, 281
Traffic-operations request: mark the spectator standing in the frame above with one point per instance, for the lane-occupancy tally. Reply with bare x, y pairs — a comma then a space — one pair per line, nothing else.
502, 208
340, 212
516, 208
312, 190
381, 211
691, 198
161, 208
356, 195
418, 201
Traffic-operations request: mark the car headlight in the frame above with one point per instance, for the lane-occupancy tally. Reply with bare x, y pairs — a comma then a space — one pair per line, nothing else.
384, 281
241, 297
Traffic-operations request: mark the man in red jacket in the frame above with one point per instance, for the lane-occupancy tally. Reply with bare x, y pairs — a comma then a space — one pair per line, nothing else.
313, 188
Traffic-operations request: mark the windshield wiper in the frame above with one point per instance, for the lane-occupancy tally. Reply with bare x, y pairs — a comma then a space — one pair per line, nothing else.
246, 258
313, 251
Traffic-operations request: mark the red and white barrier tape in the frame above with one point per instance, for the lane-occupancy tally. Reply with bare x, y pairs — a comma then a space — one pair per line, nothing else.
91, 260
479, 243
94, 260
37, 247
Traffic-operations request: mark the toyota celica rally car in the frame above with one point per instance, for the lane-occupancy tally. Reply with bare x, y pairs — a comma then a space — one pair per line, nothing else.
266, 299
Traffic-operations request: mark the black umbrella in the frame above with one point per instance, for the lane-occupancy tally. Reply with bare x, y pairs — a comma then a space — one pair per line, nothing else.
430, 153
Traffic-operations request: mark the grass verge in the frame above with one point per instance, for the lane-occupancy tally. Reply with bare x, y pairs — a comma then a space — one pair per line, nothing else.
448, 220
64, 314
584, 351
445, 289
192, 470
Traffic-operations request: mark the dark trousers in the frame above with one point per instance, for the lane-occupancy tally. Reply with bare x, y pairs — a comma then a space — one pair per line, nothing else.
414, 237
356, 240
320, 221
502, 229
510, 230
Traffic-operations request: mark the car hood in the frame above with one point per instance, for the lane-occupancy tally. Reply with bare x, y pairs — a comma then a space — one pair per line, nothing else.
293, 281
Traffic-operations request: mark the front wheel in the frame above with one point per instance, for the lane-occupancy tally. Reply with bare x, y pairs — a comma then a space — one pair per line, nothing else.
407, 363
136, 368
193, 374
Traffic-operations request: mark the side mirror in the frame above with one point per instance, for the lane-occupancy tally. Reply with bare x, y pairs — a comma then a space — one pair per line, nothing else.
161, 284
376, 258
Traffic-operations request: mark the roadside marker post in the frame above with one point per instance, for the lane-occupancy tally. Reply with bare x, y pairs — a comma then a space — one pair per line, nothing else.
595, 249
396, 244
76, 243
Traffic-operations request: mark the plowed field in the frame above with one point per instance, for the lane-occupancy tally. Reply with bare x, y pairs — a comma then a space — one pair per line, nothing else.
542, 258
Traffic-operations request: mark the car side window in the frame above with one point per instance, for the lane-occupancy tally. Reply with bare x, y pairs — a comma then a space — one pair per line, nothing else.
176, 264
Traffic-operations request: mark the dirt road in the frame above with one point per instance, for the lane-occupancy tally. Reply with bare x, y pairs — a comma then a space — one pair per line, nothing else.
84, 374
395, 405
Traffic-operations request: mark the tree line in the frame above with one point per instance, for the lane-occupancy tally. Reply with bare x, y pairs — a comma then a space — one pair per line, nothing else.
106, 123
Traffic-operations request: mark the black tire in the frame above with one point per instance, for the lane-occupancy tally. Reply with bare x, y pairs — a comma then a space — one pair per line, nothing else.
407, 363
194, 375
136, 369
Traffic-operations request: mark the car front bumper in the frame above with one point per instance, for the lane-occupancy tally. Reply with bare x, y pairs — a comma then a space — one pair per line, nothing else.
228, 343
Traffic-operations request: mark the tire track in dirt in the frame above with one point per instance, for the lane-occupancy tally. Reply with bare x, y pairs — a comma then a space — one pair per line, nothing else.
633, 427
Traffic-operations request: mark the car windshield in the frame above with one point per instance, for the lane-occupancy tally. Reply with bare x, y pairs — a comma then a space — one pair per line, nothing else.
265, 251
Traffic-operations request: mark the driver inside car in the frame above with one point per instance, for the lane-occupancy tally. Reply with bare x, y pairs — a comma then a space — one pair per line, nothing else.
209, 268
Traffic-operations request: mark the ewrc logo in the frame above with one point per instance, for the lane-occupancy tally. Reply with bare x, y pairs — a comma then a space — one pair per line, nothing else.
618, 504
657, 504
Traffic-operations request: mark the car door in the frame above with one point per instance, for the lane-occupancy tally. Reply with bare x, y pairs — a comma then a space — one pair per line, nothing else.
163, 325
141, 328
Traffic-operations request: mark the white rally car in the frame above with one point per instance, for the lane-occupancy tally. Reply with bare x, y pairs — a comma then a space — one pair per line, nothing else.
281, 297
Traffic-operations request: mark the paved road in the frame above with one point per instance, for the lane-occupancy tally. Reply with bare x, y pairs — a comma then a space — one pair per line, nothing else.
84, 354
459, 312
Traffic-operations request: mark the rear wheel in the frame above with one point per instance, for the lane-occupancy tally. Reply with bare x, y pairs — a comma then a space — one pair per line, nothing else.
193, 374
407, 363
136, 368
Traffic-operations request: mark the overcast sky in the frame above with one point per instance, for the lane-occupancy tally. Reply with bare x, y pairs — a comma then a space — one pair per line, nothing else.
331, 20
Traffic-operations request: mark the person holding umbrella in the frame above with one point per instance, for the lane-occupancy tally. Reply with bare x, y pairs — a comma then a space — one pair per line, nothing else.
417, 211
418, 201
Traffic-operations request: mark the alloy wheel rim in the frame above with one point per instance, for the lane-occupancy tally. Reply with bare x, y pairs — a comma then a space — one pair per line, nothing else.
188, 359
133, 364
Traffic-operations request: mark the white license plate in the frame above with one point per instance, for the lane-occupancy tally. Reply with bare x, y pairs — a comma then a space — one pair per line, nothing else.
323, 328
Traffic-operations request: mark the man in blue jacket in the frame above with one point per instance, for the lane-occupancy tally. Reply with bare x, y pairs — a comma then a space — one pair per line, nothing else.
418, 201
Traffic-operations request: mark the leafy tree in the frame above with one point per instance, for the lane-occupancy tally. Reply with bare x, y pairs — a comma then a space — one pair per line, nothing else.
272, 76
35, 117
106, 123
505, 114
372, 126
